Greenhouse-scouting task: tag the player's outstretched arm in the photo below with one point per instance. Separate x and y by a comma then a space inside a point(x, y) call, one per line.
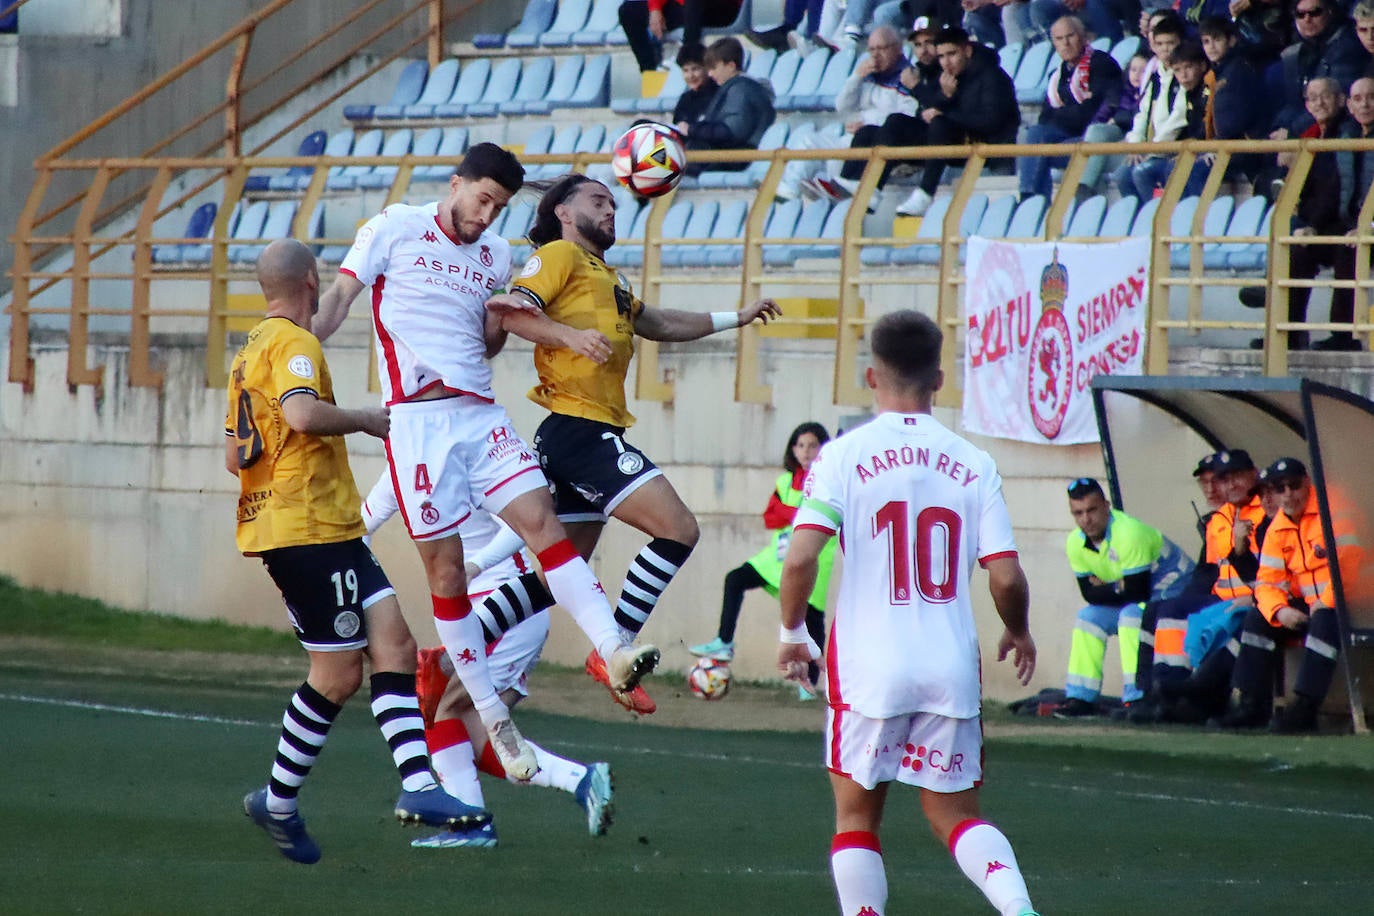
point(308, 414)
point(795, 648)
point(1011, 596)
point(536, 327)
point(678, 325)
point(334, 305)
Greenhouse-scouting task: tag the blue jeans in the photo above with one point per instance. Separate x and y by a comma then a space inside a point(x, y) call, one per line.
point(1034, 171)
point(1151, 174)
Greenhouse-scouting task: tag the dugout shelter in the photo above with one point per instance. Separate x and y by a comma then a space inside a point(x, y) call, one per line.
point(1154, 429)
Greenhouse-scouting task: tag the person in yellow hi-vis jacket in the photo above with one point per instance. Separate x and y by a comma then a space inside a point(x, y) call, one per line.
point(764, 569)
point(1120, 563)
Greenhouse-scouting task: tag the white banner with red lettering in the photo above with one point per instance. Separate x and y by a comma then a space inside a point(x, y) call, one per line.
point(1042, 319)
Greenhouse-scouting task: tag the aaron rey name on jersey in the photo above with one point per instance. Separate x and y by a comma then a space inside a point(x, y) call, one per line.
point(891, 458)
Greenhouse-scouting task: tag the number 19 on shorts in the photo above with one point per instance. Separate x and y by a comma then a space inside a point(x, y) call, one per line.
point(933, 554)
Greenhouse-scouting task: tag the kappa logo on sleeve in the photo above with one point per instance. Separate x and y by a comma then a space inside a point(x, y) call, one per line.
point(301, 367)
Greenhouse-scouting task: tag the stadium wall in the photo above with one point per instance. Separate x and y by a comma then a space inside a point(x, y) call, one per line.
point(123, 496)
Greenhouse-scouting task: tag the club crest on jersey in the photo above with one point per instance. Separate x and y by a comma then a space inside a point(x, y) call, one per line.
point(429, 236)
point(347, 624)
point(364, 237)
point(532, 267)
point(428, 514)
point(485, 256)
point(301, 367)
point(629, 464)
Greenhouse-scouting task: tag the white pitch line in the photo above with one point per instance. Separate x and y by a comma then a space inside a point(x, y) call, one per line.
point(134, 711)
point(719, 758)
point(1215, 802)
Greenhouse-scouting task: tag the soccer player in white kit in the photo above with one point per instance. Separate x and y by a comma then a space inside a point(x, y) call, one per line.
point(452, 447)
point(915, 505)
point(511, 602)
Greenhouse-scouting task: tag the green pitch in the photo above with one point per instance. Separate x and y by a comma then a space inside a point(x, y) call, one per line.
point(122, 796)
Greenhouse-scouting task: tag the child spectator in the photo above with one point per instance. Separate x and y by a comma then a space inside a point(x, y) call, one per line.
point(691, 105)
point(1163, 113)
point(737, 115)
point(1235, 103)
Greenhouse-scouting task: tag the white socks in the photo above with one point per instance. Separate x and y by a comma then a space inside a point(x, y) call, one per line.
point(856, 861)
point(985, 857)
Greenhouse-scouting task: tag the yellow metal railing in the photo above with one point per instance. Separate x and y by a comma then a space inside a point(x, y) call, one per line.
point(129, 292)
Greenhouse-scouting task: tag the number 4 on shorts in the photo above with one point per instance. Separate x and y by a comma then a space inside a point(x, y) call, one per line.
point(422, 484)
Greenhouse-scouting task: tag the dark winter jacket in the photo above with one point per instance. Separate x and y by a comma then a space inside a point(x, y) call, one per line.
point(984, 102)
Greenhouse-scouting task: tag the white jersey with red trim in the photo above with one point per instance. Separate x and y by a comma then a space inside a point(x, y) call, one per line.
point(915, 505)
point(429, 296)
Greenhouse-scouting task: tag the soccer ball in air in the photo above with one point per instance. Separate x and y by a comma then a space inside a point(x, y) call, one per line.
point(709, 679)
point(649, 159)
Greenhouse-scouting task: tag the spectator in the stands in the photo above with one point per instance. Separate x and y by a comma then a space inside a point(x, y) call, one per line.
point(1266, 28)
point(874, 91)
point(1235, 104)
point(1123, 115)
point(1319, 212)
point(646, 22)
point(1000, 22)
point(1363, 15)
point(691, 105)
point(783, 36)
point(1162, 114)
point(1102, 17)
point(1083, 92)
point(1326, 47)
point(976, 104)
point(739, 112)
point(862, 16)
point(1187, 111)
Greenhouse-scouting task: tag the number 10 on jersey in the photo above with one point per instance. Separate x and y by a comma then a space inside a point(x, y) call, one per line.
point(934, 554)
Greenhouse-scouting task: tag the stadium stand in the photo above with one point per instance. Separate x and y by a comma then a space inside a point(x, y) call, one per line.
point(570, 19)
point(409, 84)
point(536, 21)
point(699, 226)
point(809, 225)
point(729, 224)
point(927, 236)
point(505, 75)
point(1117, 221)
point(1246, 220)
point(601, 27)
point(472, 82)
point(805, 83)
point(594, 86)
point(298, 175)
point(561, 86)
point(1032, 75)
point(453, 141)
point(369, 143)
point(381, 176)
point(197, 227)
point(533, 87)
point(437, 90)
point(1087, 218)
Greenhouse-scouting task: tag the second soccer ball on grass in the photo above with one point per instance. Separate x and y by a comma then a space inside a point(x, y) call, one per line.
point(709, 679)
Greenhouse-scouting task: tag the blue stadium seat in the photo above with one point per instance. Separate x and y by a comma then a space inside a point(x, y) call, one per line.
point(472, 82)
point(743, 19)
point(927, 235)
point(760, 63)
point(1244, 221)
point(346, 178)
point(538, 142)
point(409, 85)
point(592, 139)
point(674, 226)
point(1028, 220)
point(729, 224)
point(805, 84)
point(593, 86)
point(699, 226)
point(516, 219)
point(1144, 224)
point(833, 229)
point(1252, 256)
point(1087, 219)
point(750, 177)
point(673, 86)
point(969, 221)
point(533, 87)
point(1181, 223)
point(536, 21)
point(780, 224)
point(382, 176)
point(1032, 76)
point(438, 88)
point(452, 143)
point(1214, 223)
point(1103, 44)
point(505, 76)
point(996, 217)
point(426, 144)
point(563, 143)
point(561, 87)
point(200, 254)
point(604, 19)
point(298, 176)
point(253, 225)
point(618, 255)
point(784, 72)
point(1120, 215)
point(810, 224)
point(1125, 49)
point(570, 19)
point(837, 70)
point(197, 227)
point(627, 208)
point(1009, 58)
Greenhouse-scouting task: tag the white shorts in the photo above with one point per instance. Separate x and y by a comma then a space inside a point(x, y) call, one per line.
point(921, 749)
point(451, 454)
point(512, 657)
